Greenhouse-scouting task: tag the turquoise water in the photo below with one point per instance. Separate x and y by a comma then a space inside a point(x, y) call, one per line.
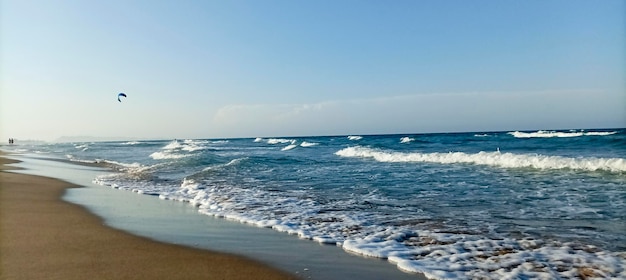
point(535, 204)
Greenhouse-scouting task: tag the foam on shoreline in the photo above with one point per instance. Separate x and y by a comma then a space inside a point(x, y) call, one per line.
point(78, 246)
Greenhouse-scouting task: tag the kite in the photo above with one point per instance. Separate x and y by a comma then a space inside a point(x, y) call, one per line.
point(120, 95)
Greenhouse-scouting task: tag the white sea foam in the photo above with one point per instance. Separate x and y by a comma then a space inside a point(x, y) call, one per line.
point(167, 155)
point(468, 257)
point(406, 140)
point(172, 145)
point(280, 141)
point(289, 147)
point(506, 160)
point(122, 164)
point(550, 134)
point(82, 147)
point(354, 138)
point(437, 255)
point(192, 148)
point(258, 139)
point(131, 143)
point(291, 142)
point(308, 144)
point(179, 149)
point(72, 158)
point(193, 145)
point(599, 133)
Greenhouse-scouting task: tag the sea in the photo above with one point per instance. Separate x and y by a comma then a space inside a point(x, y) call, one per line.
point(480, 205)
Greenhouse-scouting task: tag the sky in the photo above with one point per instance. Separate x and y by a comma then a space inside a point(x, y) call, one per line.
point(250, 68)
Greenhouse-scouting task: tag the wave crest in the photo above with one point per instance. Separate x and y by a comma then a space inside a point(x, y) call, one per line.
point(550, 134)
point(308, 144)
point(289, 147)
point(505, 160)
point(179, 149)
point(273, 141)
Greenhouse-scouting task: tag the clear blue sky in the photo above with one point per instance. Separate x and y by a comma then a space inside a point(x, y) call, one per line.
point(212, 69)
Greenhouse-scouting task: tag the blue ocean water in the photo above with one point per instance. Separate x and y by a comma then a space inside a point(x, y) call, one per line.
point(488, 205)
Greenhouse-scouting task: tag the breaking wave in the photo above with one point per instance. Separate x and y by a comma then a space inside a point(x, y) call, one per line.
point(308, 144)
point(550, 134)
point(279, 141)
point(289, 147)
point(179, 149)
point(498, 159)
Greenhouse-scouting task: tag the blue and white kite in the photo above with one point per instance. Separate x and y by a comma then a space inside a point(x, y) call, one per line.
point(120, 95)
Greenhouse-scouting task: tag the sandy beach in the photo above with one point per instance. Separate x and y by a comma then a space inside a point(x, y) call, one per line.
point(44, 237)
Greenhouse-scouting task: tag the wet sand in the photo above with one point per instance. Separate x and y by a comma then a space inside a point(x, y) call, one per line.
point(44, 237)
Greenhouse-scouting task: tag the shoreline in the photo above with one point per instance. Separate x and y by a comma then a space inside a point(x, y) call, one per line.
point(175, 223)
point(45, 237)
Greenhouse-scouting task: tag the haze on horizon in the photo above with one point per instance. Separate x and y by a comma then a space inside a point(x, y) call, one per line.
point(223, 69)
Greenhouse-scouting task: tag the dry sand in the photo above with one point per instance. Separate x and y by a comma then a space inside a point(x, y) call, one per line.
point(44, 237)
